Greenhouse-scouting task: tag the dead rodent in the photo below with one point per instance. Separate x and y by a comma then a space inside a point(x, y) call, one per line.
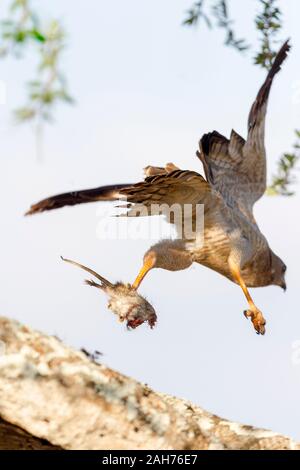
point(123, 300)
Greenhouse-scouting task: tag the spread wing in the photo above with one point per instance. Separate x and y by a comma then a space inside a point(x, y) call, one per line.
point(178, 186)
point(103, 193)
point(180, 196)
point(158, 193)
point(161, 189)
point(235, 167)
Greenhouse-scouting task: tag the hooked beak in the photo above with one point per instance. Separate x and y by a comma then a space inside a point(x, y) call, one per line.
point(283, 286)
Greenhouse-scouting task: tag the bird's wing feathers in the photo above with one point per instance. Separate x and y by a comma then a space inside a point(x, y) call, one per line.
point(222, 160)
point(164, 188)
point(175, 187)
point(257, 115)
point(235, 167)
point(103, 193)
point(254, 162)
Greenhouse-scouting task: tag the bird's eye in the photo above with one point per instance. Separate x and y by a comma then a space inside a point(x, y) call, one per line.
point(284, 269)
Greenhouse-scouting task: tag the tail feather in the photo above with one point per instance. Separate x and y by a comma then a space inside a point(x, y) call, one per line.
point(103, 193)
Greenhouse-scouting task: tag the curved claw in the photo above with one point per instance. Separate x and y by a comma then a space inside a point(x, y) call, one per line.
point(257, 319)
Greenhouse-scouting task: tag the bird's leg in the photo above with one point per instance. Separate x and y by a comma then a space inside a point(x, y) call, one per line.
point(254, 313)
point(148, 264)
point(166, 254)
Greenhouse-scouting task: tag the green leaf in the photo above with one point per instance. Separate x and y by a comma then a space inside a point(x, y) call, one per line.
point(25, 114)
point(37, 35)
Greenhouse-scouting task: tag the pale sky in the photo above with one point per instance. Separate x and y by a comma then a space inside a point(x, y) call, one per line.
point(146, 89)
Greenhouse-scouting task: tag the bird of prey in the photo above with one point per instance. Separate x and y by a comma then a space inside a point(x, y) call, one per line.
point(235, 178)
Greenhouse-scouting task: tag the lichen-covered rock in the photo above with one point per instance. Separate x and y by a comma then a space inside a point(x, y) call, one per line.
point(59, 395)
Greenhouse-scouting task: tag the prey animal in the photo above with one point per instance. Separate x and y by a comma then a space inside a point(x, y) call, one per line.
point(235, 178)
point(124, 300)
